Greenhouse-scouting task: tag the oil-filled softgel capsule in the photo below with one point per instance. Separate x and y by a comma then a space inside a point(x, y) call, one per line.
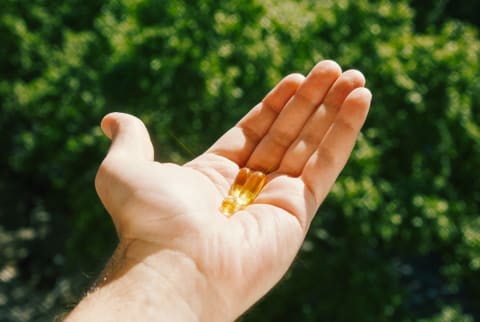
point(245, 188)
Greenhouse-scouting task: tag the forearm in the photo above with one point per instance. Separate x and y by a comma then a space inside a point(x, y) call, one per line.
point(130, 289)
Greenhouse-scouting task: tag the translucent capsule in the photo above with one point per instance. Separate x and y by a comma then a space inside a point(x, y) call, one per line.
point(244, 190)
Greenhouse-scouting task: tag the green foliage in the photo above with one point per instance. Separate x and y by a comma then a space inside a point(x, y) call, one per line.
point(398, 239)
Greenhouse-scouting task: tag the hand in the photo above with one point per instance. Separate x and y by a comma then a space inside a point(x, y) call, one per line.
point(302, 133)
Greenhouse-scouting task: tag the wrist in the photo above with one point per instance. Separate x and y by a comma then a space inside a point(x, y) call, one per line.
point(145, 283)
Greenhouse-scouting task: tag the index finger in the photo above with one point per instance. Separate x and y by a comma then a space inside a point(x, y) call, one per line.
point(238, 143)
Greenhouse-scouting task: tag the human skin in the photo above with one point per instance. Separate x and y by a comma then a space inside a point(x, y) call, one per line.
point(179, 258)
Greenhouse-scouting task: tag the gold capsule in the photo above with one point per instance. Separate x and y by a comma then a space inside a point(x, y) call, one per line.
point(240, 181)
point(245, 188)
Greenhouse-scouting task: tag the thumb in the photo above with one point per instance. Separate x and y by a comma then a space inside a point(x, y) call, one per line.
point(130, 138)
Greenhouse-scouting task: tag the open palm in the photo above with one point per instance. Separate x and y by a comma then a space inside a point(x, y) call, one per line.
point(302, 134)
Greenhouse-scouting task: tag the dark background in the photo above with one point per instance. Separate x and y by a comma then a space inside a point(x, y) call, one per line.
point(398, 239)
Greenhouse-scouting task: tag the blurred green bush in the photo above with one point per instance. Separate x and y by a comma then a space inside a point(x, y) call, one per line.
point(398, 239)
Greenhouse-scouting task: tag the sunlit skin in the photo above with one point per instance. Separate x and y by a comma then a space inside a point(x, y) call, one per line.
point(179, 258)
